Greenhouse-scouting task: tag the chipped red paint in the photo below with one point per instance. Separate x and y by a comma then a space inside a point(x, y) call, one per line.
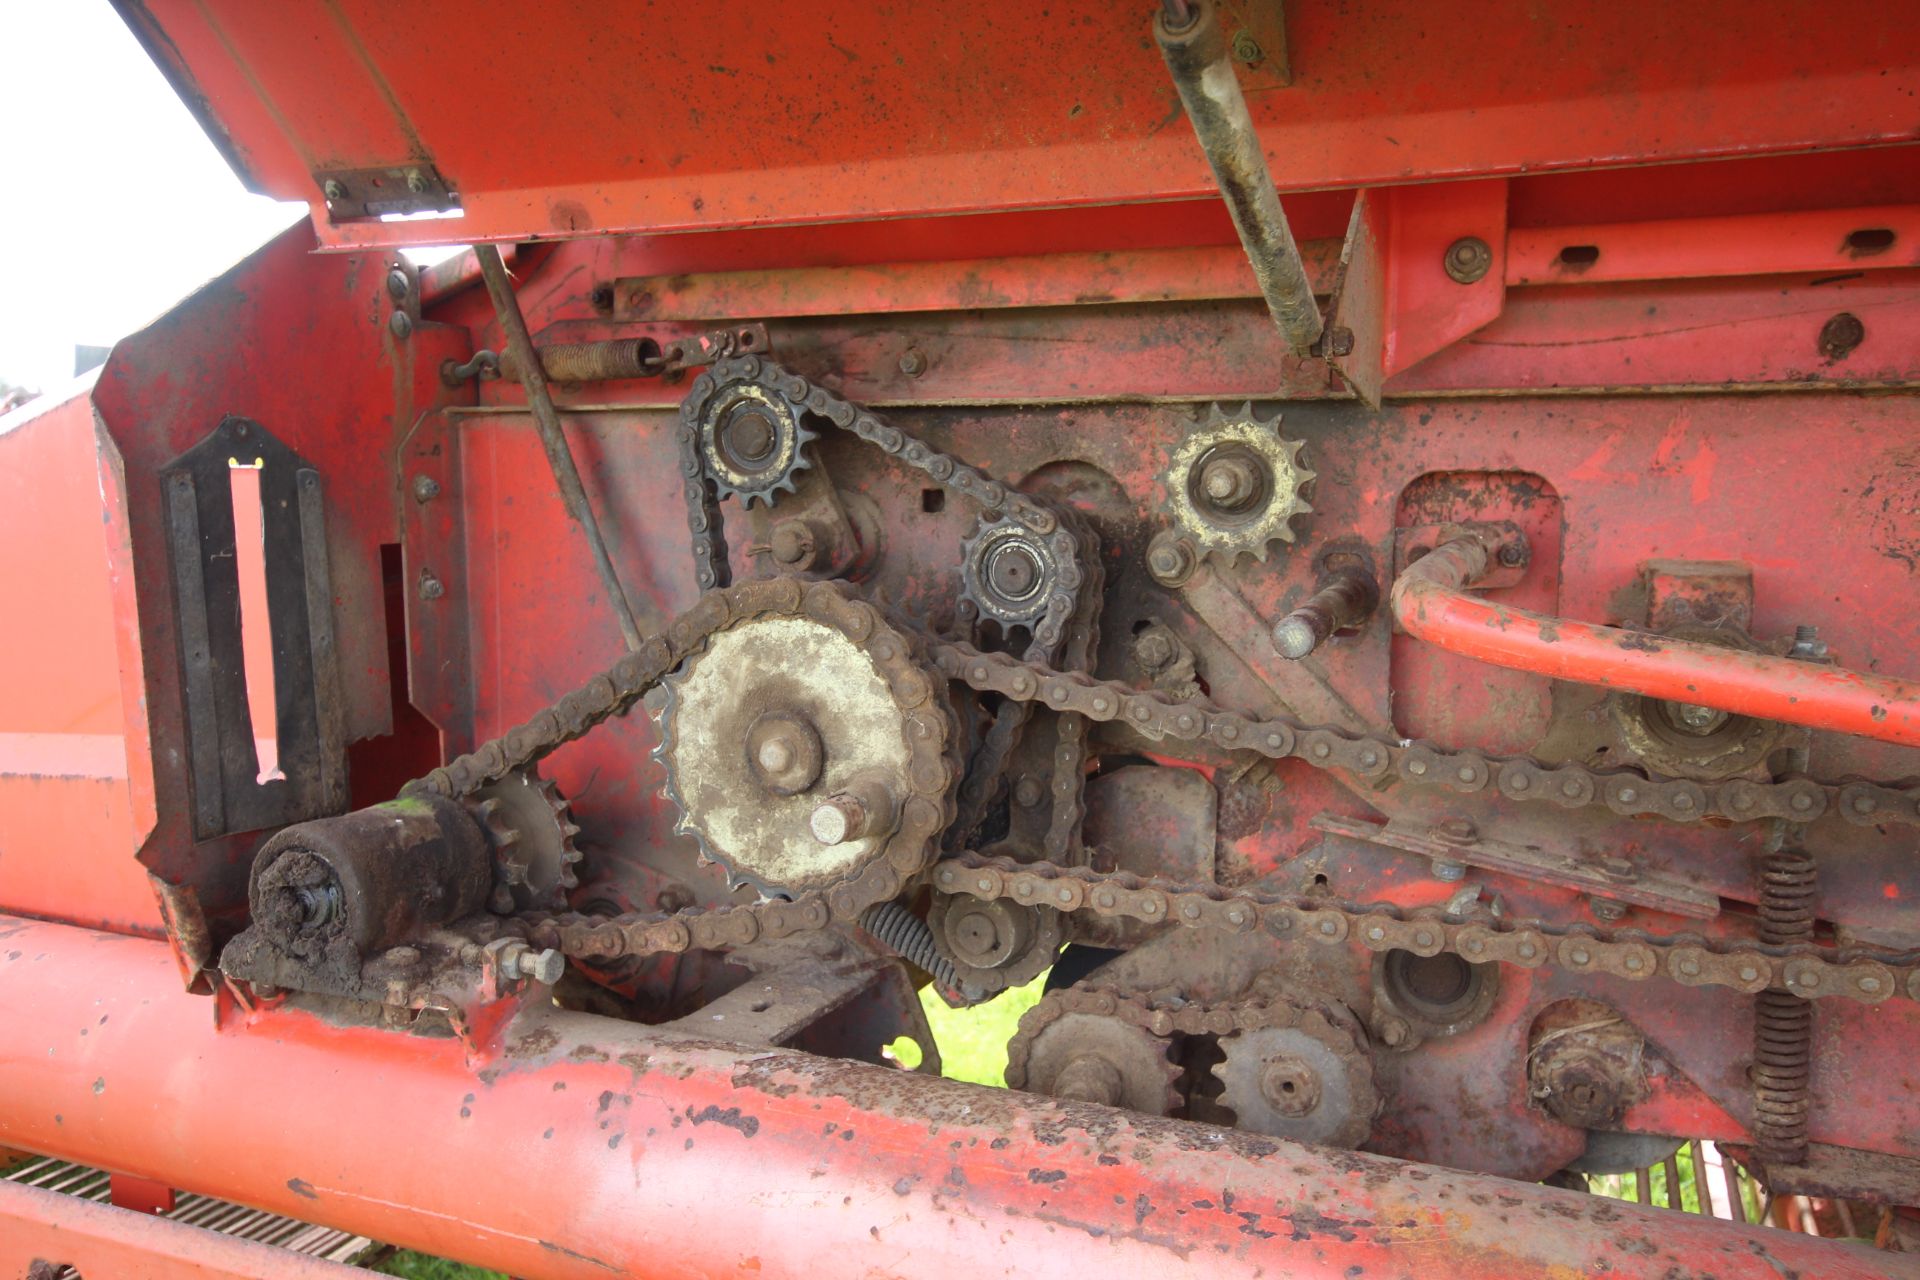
point(578, 1146)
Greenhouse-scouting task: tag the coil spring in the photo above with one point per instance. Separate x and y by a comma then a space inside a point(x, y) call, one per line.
point(1783, 1022)
point(909, 937)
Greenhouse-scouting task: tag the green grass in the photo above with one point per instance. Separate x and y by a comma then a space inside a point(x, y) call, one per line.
point(973, 1042)
point(418, 1266)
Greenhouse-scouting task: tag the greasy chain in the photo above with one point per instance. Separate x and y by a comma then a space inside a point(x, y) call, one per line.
point(1806, 970)
point(1188, 1017)
point(1066, 622)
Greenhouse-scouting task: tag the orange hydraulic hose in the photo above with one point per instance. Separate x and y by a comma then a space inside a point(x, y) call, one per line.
point(1431, 602)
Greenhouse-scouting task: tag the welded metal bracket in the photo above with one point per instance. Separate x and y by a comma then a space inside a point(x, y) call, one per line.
point(228, 795)
point(352, 194)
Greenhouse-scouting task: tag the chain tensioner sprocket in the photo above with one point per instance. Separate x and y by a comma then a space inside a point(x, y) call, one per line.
point(1234, 486)
point(752, 439)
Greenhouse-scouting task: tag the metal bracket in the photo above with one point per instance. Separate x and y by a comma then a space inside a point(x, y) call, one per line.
point(353, 194)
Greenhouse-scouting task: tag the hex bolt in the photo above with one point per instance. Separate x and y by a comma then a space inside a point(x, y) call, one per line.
point(1170, 560)
point(1230, 483)
point(417, 182)
point(1606, 909)
point(425, 488)
point(333, 189)
point(913, 362)
point(1807, 645)
point(1247, 49)
point(518, 960)
point(1153, 650)
point(1448, 872)
point(1695, 719)
point(431, 588)
point(1345, 599)
point(1468, 259)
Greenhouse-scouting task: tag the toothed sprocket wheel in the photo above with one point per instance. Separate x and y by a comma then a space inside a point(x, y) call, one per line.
point(1089, 1057)
point(1308, 1078)
point(752, 440)
point(1234, 486)
point(530, 831)
point(809, 751)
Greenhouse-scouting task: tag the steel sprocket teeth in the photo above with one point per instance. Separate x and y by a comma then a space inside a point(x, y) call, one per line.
point(1309, 1081)
point(752, 441)
point(531, 831)
point(1234, 486)
point(1088, 1057)
point(1012, 575)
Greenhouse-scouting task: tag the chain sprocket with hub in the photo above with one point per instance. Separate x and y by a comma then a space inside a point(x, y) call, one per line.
point(1234, 486)
point(792, 743)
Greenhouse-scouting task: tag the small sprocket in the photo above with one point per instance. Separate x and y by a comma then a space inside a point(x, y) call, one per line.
point(753, 441)
point(531, 833)
point(1234, 486)
point(1092, 1058)
point(1308, 1079)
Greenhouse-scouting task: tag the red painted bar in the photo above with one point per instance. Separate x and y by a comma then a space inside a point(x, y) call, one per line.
point(1431, 602)
point(580, 1146)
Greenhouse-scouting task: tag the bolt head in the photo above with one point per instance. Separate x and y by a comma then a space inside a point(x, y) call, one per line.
point(1697, 719)
point(399, 284)
point(431, 588)
point(400, 324)
point(1468, 259)
point(1153, 650)
point(913, 362)
point(425, 488)
point(1247, 49)
point(417, 182)
point(333, 189)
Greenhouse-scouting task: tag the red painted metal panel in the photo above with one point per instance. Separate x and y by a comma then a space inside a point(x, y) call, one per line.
point(66, 813)
point(757, 116)
point(579, 1146)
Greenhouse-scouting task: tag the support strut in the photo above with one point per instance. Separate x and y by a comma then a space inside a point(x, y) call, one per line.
point(1431, 602)
point(1202, 68)
point(533, 376)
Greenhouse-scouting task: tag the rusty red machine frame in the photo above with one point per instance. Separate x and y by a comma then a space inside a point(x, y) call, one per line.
point(1621, 334)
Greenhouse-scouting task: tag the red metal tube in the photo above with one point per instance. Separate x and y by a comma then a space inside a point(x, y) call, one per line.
point(1431, 602)
point(578, 1146)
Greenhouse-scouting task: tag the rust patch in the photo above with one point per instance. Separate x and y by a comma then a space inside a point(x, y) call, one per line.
point(729, 1116)
point(302, 1188)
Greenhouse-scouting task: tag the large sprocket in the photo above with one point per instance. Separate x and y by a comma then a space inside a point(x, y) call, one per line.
point(1234, 486)
point(1089, 1057)
point(804, 749)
